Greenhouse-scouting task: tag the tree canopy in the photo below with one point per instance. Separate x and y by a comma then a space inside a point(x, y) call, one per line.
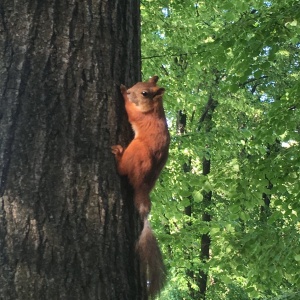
point(231, 68)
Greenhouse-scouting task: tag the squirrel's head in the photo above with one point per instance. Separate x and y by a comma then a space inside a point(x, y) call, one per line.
point(145, 95)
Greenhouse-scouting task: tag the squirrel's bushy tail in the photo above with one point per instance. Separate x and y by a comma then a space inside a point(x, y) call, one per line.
point(151, 259)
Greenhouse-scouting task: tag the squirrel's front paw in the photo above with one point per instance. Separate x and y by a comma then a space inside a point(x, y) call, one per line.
point(117, 150)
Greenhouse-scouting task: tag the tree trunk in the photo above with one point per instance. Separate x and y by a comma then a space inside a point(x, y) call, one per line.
point(206, 121)
point(67, 224)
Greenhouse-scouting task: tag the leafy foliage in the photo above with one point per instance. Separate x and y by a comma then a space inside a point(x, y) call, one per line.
point(246, 56)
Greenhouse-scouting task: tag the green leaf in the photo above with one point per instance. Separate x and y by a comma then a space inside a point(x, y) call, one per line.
point(197, 195)
point(297, 257)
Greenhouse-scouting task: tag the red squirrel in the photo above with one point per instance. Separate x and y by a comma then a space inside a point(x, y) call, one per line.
point(142, 162)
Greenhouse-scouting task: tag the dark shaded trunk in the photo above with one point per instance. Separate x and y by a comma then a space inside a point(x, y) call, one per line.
point(205, 238)
point(206, 122)
point(181, 128)
point(67, 225)
point(265, 209)
point(265, 212)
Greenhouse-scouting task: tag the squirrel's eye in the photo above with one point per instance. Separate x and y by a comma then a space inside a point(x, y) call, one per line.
point(144, 93)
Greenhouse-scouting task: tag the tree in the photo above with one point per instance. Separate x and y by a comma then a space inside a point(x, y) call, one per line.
point(67, 224)
point(252, 145)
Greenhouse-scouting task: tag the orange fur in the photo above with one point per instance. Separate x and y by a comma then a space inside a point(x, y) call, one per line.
point(142, 161)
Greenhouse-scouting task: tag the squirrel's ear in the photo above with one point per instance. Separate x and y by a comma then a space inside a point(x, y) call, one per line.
point(153, 79)
point(160, 92)
point(123, 88)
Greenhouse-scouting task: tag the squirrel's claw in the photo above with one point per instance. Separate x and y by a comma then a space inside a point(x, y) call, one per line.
point(117, 149)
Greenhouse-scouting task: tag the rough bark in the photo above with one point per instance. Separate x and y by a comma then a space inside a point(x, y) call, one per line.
point(67, 223)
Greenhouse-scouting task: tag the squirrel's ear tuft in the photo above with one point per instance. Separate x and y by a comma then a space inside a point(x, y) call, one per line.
point(153, 79)
point(160, 92)
point(123, 88)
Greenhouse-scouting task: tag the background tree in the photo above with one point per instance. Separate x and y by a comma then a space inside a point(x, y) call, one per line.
point(248, 54)
point(67, 225)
